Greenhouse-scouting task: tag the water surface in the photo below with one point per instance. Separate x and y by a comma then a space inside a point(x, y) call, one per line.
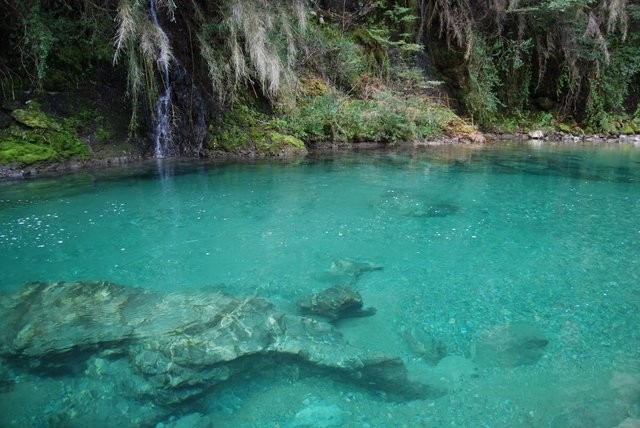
point(475, 244)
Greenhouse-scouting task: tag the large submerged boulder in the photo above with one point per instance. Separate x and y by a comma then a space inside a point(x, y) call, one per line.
point(48, 319)
point(183, 343)
point(336, 303)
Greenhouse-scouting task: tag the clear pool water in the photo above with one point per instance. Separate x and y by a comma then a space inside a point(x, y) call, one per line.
point(475, 243)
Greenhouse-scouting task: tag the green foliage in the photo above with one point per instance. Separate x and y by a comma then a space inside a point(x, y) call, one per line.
point(499, 79)
point(345, 58)
point(252, 41)
point(522, 122)
point(333, 55)
point(396, 27)
point(387, 118)
point(480, 93)
point(239, 43)
point(244, 128)
point(376, 43)
point(578, 52)
point(104, 134)
point(60, 41)
point(513, 62)
point(390, 27)
point(610, 89)
point(581, 56)
point(39, 39)
point(145, 48)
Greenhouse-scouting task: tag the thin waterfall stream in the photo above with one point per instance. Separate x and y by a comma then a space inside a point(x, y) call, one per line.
point(162, 133)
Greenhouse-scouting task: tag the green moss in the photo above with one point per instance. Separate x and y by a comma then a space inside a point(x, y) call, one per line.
point(564, 127)
point(12, 151)
point(275, 143)
point(28, 146)
point(246, 128)
point(262, 140)
point(313, 87)
point(34, 118)
point(67, 144)
point(104, 135)
point(627, 128)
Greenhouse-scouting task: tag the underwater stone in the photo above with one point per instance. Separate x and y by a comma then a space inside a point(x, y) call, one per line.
point(629, 423)
point(513, 345)
point(347, 271)
point(597, 413)
point(182, 344)
point(336, 303)
point(45, 319)
point(424, 344)
point(353, 267)
point(192, 420)
point(319, 415)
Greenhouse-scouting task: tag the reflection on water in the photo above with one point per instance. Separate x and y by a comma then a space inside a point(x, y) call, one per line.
point(505, 279)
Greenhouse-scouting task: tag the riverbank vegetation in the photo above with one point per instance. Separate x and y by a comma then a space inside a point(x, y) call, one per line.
point(271, 77)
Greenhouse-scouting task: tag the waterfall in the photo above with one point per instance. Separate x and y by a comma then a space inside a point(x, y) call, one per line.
point(162, 132)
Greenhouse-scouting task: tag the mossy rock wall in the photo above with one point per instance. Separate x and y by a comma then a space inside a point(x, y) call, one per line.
point(36, 137)
point(258, 141)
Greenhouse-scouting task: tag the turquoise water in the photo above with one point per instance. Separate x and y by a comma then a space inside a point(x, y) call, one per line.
point(472, 243)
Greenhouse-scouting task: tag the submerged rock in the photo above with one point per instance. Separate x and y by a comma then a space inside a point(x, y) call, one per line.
point(598, 413)
point(353, 267)
point(515, 344)
point(192, 420)
point(629, 423)
point(182, 344)
point(336, 303)
point(319, 415)
point(48, 319)
point(410, 205)
point(424, 344)
point(347, 271)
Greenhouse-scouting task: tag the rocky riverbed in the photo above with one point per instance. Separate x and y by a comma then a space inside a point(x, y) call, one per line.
point(169, 349)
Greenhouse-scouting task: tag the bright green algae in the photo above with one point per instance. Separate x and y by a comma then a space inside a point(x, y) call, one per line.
point(474, 244)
